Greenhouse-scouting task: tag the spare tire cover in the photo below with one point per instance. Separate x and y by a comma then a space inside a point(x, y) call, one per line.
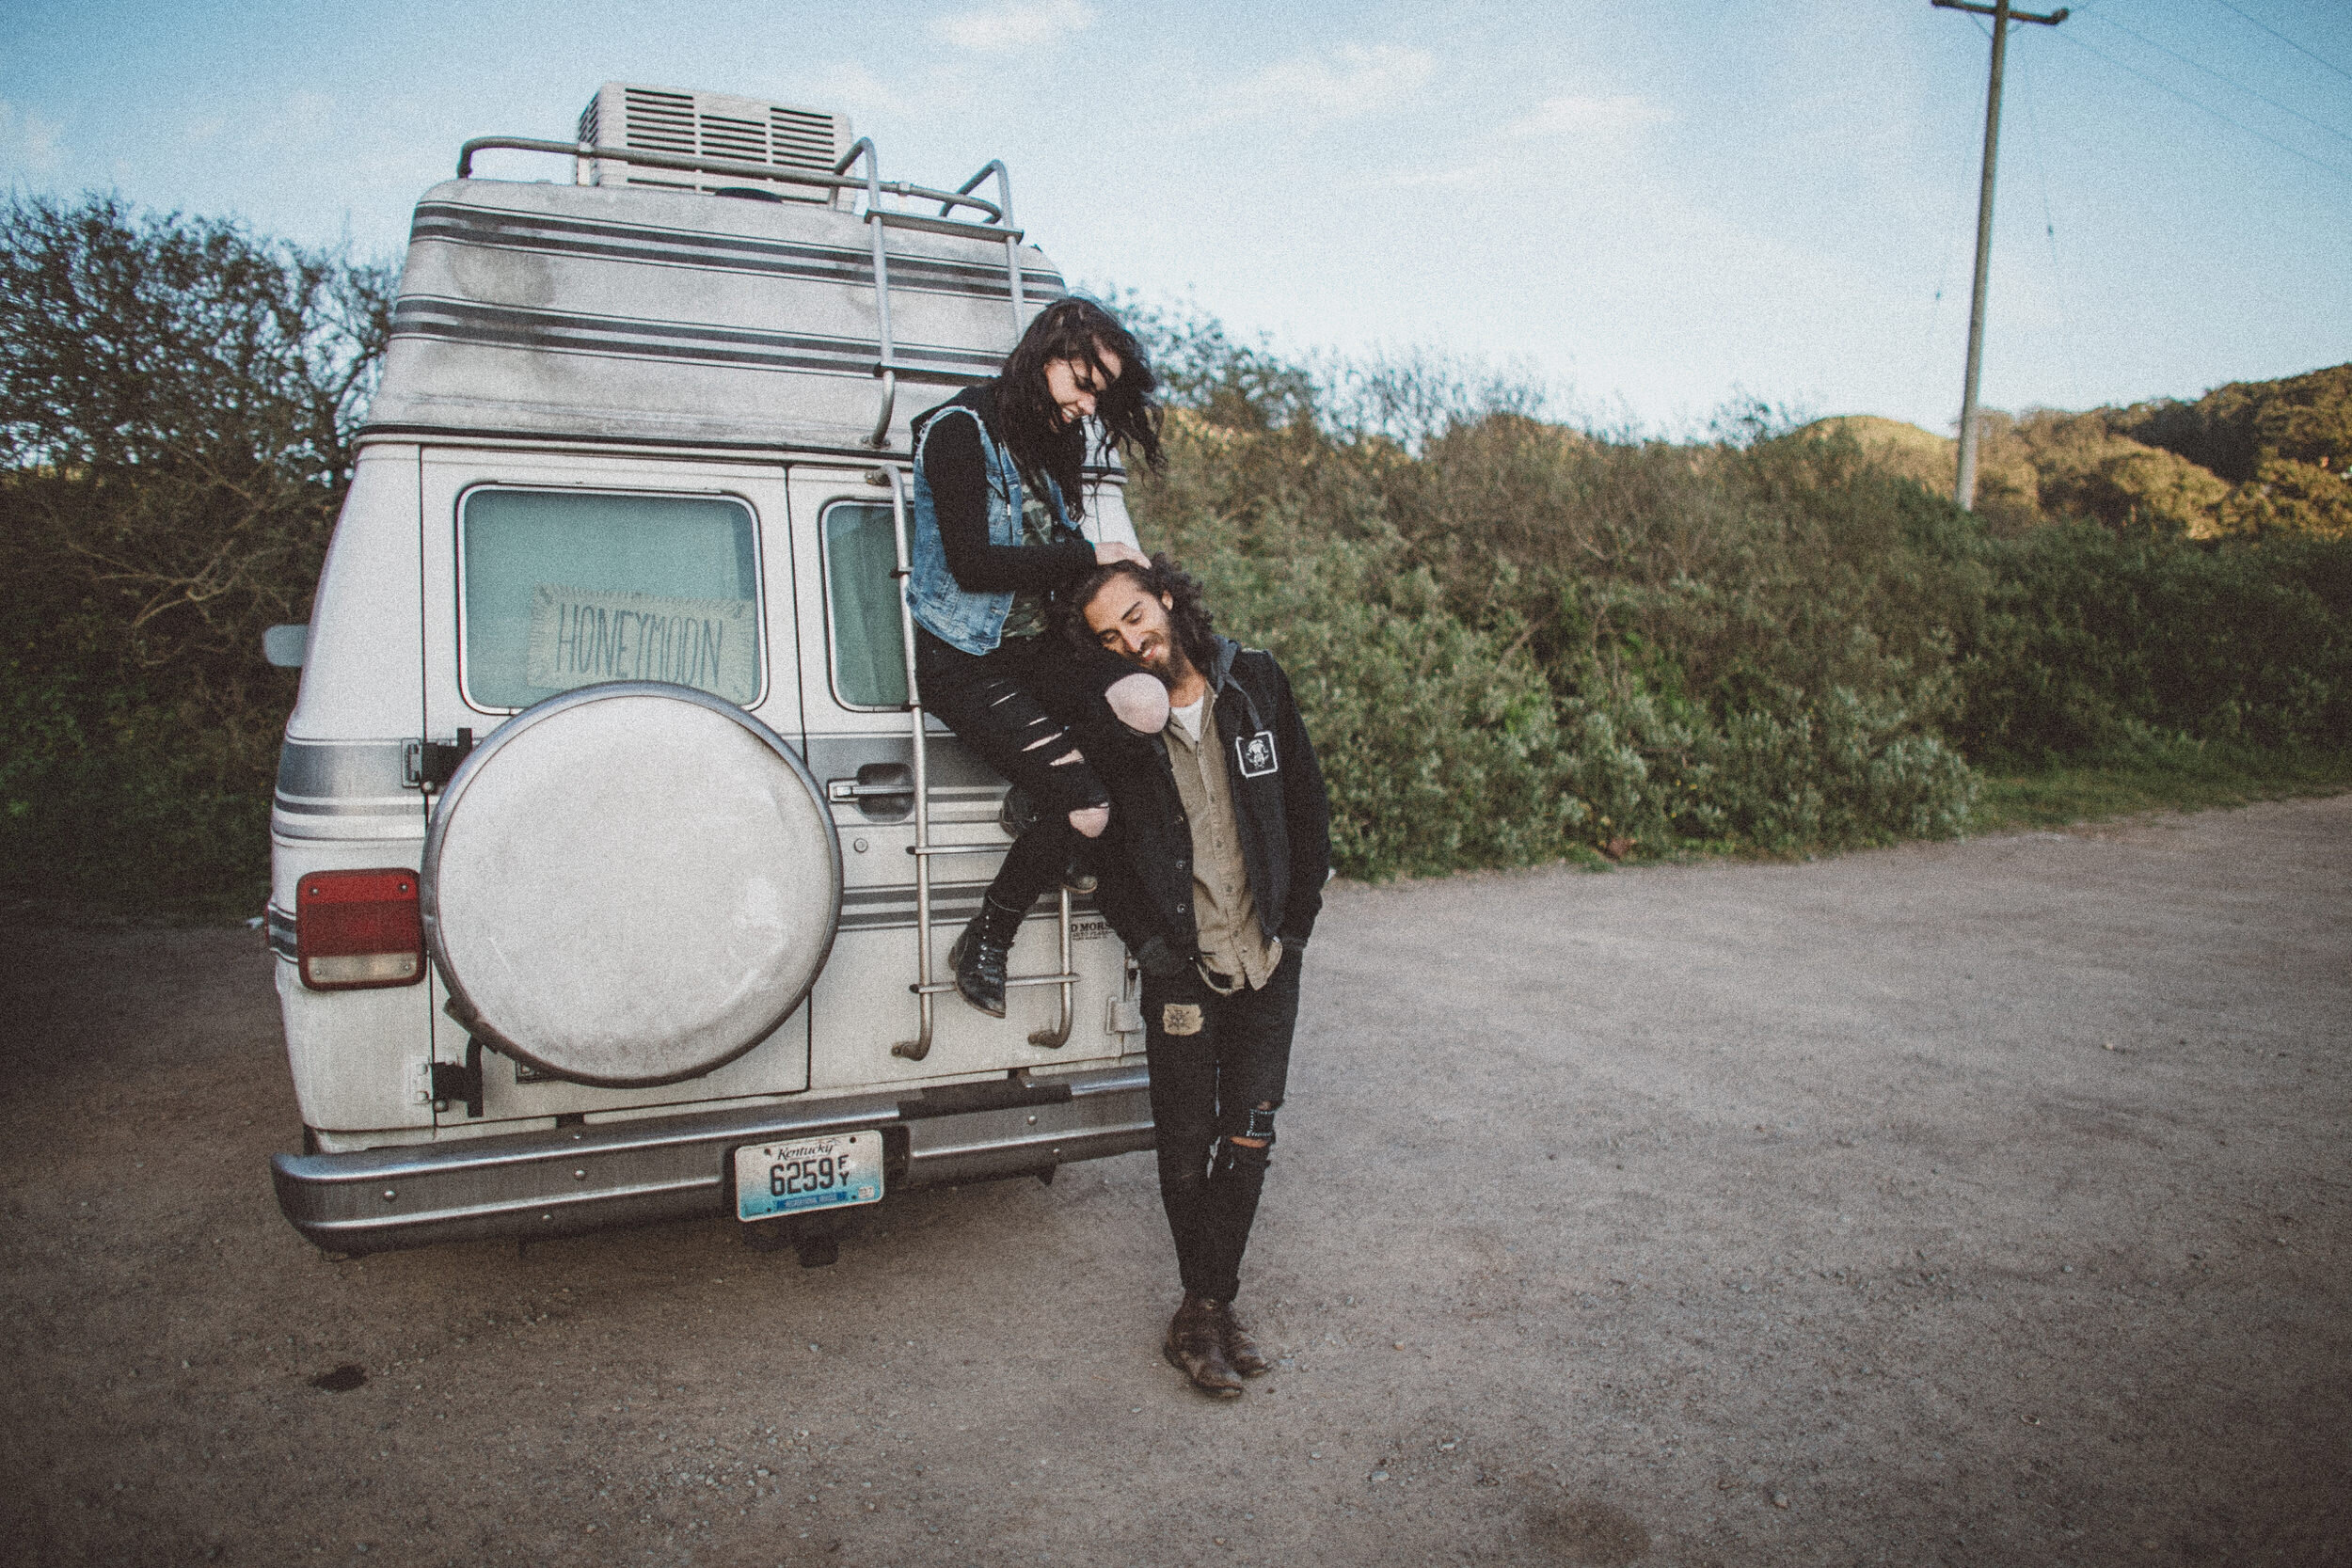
point(629, 883)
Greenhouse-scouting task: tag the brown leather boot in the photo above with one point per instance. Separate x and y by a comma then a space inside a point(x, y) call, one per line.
point(1196, 1347)
point(1241, 1350)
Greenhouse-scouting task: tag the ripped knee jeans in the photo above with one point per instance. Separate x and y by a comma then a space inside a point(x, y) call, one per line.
point(1017, 707)
point(1218, 1068)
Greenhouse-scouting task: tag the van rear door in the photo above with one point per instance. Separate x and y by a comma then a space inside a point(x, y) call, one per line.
point(545, 572)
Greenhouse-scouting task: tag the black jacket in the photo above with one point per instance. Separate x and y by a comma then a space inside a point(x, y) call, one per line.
point(1279, 801)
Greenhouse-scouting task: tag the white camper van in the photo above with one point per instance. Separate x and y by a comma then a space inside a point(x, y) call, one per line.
point(616, 862)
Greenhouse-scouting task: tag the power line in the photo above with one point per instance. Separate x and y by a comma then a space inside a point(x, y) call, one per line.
point(1927, 340)
point(2199, 104)
point(2225, 81)
point(2283, 39)
point(2027, 83)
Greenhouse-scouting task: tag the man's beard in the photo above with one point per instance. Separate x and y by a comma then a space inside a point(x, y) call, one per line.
point(1171, 671)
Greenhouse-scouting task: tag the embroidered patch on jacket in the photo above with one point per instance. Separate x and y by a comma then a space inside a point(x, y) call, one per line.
point(1181, 1018)
point(1255, 754)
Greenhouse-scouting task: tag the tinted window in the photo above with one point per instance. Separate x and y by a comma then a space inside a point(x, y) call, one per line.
point(567, 589)
point(868, 645)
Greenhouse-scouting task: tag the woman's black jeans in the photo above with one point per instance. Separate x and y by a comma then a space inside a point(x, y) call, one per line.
point(1020, 706)
point(1218, 1068)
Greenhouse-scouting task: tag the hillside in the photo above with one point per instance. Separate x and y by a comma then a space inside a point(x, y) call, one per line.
point(2250, 458)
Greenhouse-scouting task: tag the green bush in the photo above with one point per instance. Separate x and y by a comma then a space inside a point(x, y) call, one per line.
point(1524, 636)
point(2093, 638)
point(1437, 740)
point(177, 399)
point(1774, 638)
point(113, 798)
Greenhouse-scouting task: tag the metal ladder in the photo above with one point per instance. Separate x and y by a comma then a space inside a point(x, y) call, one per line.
point(923, 850)
point(899, 477)
point(880, 218)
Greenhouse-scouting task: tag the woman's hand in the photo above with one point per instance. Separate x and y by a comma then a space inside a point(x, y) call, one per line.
point(1110, 552)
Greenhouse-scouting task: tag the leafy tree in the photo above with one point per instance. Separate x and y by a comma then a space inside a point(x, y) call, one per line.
point(1515, 635)
point(178, 404)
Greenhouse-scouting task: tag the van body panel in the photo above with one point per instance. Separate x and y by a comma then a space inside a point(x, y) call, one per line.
point(358, 1056)
point(878, 961)
point(366, 625)
point(778, 1065)
point(350, 1070)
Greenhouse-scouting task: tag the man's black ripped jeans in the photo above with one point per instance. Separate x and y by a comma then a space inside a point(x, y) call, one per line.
point(1020, 706)
point(1218, 1068)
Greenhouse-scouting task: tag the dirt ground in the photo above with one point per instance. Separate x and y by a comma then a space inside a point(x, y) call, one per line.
point(1970, 1203)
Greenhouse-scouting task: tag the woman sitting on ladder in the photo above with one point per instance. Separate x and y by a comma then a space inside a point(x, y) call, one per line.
point(997, 493)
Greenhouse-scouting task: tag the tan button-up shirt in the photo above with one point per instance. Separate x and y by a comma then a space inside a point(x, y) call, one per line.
point(1231, 943)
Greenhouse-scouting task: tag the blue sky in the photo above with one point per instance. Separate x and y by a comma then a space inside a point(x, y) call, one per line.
point(1651, 208)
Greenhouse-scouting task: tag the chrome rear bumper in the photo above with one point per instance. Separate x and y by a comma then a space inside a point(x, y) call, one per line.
point(592, 1177)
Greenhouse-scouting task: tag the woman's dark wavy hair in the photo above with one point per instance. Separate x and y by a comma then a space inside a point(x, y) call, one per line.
point(1075, 328)
point(1187, 616)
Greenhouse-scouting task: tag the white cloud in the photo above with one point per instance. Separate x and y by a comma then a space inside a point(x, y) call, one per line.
point(1578, 115)
point(27, 140)
point(1358, 79)
point(1013, 24)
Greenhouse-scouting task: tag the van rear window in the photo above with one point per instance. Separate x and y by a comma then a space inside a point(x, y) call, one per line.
point(566, 589)
point(869, 667)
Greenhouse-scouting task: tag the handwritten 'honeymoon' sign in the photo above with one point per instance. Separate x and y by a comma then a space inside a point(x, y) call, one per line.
point(583, 635)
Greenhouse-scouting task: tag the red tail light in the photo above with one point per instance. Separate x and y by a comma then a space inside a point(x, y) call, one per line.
point(355, 929)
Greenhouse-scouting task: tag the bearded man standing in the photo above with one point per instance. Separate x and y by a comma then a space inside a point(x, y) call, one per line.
point(1214, 870)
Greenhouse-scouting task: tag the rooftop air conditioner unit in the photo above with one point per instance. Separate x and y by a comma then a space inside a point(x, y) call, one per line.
point(710, 125)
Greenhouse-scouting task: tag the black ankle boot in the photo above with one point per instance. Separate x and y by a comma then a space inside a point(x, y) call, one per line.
point(979, 955)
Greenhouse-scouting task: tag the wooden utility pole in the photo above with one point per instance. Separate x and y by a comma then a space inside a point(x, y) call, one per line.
point(1965, 491)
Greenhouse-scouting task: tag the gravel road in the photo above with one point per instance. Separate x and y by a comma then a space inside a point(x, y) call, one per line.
point(1966, 1203)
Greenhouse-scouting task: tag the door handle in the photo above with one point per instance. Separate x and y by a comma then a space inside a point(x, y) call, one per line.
point(883, 791)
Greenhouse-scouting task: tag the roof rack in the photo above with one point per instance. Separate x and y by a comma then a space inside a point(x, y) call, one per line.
point(997, 224)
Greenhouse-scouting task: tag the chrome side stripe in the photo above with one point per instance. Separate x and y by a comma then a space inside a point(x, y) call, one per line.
point(281, 933)
point(880, 909)
point(620, 242)
point(343, 778)
point(558, 331)
point(320, 769)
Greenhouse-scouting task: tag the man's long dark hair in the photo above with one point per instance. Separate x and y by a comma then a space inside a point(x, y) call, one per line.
point(1075, 328)
point(1188, 616)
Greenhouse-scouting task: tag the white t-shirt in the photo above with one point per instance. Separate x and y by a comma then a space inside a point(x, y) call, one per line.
point(1190, 718)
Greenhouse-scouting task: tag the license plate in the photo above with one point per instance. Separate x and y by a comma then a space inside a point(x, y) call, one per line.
point(832, 1171)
